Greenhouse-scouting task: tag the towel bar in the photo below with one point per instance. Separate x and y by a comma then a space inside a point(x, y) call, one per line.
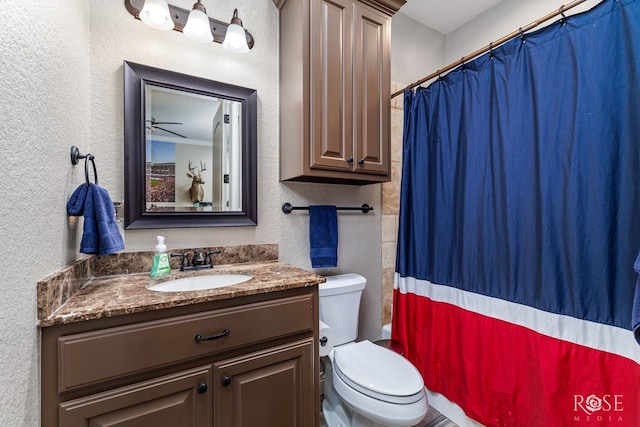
point(287, 208)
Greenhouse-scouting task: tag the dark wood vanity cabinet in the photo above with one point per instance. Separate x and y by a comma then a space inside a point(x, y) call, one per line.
point(180, 399)
point(335, 89)
point(267, 388)
point(254, 364)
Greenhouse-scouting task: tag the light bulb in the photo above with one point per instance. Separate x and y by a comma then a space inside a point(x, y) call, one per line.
point(198, 27)
point(235, 39)
point(155, 14)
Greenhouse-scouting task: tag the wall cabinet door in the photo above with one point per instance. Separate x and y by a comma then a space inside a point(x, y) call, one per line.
point(331, 137)
point(372, 90)
point(270, 388)
point(179, 400)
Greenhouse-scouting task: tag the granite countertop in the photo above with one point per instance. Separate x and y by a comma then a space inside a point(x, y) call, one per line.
point(108, 296)
point(115, 285)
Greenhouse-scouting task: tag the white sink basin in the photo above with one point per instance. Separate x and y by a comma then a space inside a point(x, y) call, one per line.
point(199, 283)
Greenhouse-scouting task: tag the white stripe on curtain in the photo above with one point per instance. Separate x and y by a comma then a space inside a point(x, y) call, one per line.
point(599, 336)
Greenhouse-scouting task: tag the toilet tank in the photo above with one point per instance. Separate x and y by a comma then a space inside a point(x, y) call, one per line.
point(340, 305)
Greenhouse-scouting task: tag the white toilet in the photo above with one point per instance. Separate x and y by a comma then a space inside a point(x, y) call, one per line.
point(366, 385)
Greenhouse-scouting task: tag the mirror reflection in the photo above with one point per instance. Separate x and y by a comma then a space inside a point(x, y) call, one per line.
point(193, 151)
point(190, 154)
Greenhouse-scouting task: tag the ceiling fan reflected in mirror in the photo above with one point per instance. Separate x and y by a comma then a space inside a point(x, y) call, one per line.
point(153, 125)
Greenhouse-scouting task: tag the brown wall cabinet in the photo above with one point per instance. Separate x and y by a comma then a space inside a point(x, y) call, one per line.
point(335, 90)
point(259, 366)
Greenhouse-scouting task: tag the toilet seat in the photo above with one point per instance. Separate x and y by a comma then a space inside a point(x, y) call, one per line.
point(378, 373)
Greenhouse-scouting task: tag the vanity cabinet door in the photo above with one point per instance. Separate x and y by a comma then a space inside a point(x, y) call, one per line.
point(179, 400)
point(271, 388)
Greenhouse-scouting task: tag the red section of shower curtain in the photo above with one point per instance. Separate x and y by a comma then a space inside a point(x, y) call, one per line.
point(502, 374)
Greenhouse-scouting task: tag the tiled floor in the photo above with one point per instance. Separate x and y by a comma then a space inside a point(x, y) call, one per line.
point(436, 419)
point(433, 419)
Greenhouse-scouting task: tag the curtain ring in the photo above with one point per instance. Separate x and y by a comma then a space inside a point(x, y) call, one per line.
point(521, 34)
point(439, 76)
point(563, 19)
point(491, 50)
point(89, 157)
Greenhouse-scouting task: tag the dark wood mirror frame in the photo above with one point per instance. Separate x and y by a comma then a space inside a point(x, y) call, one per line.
point(136, 216)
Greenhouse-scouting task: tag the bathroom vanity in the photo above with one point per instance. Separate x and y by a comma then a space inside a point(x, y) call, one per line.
point(118, 354)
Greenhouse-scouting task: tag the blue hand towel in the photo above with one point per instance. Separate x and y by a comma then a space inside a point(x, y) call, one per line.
point(75, 205)
point(635, 312)
point(323, 236)
point(100, 233)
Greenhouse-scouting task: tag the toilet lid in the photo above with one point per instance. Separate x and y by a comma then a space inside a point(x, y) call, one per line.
point(378, 372)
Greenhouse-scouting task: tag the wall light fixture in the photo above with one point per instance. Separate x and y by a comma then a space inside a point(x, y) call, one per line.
point(235, 40)
point(195, 24)
point(198, 28)
point(155, 14)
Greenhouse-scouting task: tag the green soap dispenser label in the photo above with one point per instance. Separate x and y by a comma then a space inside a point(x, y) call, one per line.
point(160, 266)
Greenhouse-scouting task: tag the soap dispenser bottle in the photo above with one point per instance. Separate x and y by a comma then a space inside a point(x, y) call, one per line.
point(160, 266)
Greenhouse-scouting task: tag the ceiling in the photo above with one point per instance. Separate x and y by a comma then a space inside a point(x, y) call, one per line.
point(445, 15)
point(188, 114)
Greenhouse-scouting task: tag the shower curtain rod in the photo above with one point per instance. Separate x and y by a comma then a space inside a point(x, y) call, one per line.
point(492, 45)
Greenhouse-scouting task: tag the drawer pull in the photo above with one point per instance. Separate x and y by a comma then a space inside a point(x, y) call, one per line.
point(213, 337)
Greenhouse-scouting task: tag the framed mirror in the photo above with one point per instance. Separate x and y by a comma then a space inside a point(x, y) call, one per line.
point(189, 151)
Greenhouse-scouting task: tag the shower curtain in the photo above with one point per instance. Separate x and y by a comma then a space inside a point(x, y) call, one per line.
point(519, 225)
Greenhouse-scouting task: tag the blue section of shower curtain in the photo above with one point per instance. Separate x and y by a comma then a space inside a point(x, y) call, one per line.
point(521, 170)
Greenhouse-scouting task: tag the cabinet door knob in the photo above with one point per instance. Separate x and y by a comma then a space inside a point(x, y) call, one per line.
point(361, 162)
point(202, 388)
point(350, 160)
point(226, 380)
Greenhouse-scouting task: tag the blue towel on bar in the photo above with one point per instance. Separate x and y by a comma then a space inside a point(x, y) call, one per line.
point(100, 233)
point(635, 313)
point(323, 236)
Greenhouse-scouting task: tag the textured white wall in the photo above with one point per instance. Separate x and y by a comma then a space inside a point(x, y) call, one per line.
point(506, 17)
point(416, 50)
point(44, 109)
point(61, 66)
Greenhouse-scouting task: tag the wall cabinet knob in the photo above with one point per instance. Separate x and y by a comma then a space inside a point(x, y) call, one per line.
point(226, 380)
point(350, 160)
point(361, 162)
point(202, 388)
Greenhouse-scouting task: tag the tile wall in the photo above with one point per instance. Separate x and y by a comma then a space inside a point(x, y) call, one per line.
point(391, 204)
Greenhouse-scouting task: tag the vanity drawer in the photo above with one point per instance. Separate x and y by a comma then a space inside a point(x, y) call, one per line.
point(91, 357)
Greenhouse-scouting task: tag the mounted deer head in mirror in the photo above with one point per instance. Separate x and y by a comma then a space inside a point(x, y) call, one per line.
point(196, 192)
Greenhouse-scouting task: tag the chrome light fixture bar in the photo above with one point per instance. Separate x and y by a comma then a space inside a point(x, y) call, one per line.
point(181, 16)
